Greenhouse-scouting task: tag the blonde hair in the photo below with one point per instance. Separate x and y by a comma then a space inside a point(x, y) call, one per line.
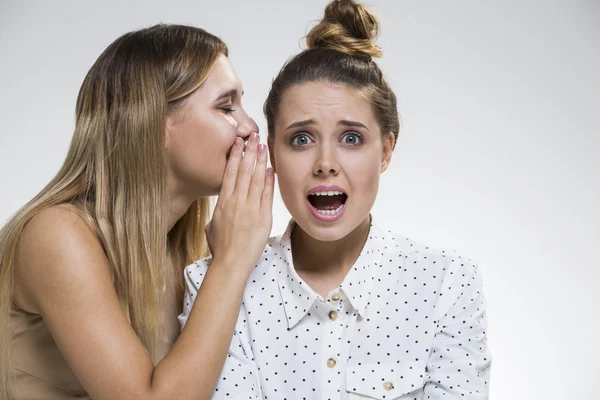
point(115, 174)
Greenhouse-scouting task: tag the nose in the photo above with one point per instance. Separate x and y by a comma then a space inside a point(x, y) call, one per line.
point(326, 163)
point(246, 125)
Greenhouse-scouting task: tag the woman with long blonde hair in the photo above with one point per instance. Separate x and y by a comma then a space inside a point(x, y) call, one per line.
point(91, 269)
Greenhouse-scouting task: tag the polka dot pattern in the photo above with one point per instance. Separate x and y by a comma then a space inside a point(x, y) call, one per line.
point(407, 322)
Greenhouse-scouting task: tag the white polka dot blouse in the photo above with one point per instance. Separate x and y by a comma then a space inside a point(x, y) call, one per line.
point(407, 322)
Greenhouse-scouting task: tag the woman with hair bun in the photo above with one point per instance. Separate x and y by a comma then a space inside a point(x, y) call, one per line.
point(339, 308)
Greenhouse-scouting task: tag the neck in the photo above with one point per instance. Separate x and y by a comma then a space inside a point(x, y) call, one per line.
point(179, 203)
point(177, 209)
point(332, 258)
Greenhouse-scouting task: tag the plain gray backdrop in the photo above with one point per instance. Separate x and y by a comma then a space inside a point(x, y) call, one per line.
point(498, 154)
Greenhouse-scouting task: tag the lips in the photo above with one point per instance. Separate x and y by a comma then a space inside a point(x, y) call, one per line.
point(327, 203)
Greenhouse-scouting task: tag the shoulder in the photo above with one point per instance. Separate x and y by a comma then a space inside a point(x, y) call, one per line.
point(443, 263)
point(57, 247)
point(196, 272)
point(440, 275)
point(60, 225)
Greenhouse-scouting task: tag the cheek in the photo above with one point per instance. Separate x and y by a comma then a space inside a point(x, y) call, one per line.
point(288, 177)
point(218, 132)
point(197, 149)
point(209, 141)
point(292, 170)
point(363, 173)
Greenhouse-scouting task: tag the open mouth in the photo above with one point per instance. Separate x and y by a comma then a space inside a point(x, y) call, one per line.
point(328, 203)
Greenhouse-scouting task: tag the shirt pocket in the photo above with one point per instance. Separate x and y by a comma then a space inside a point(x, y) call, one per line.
point(385, 381)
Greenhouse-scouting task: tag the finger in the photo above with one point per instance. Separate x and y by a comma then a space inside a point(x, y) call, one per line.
point(258, 178)
point(267, 194)
point(231, 170)
point(246, 168)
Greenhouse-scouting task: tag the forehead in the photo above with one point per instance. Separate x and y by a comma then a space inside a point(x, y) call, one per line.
point(222, 77)
point(325, 101)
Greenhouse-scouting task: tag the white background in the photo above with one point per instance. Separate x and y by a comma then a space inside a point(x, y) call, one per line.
point(498, 155)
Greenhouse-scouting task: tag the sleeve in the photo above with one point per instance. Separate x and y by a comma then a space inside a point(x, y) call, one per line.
point(239, 376)
point(193, 275)
point(459, 363)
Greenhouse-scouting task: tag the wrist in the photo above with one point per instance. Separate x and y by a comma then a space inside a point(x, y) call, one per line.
point(234, 266)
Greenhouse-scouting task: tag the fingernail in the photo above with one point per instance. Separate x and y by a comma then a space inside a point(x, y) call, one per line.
point(254, 137)
point(261, 149)
point(270, 172)
point(238, 142)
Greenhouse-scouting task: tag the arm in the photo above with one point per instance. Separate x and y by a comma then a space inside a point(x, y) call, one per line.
point(201, 349)
point(64, 275)
point(459, 364)
point(239, 377)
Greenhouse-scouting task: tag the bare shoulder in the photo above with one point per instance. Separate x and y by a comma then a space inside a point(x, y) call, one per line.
point(64, 276)
point(57, 224)
point(57, 249)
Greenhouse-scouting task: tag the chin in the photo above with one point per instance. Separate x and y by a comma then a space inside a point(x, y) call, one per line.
point(330, 234)
point(326, 231)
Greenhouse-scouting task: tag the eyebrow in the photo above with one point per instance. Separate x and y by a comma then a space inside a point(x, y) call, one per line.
point(355, 124)
point(343, 122)
point(301, 124)
point(231, 93)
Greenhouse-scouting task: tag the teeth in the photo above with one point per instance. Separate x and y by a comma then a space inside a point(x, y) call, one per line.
point(329, 193)
point(331, 212)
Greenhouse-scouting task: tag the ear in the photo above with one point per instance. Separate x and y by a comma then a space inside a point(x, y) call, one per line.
point(169, 124)
point(271, 144)
point(389, 141)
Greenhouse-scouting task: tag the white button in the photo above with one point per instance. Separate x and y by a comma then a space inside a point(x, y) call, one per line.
point(333, 315)
point(388, 385)
point(335, 297)
point(331, 363)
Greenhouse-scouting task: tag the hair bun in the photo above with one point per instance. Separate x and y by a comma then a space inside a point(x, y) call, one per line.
point(348, 27)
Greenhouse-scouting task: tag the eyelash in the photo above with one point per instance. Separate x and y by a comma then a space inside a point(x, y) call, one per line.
point(358, 136)
point(227, 110)
point(294, 137)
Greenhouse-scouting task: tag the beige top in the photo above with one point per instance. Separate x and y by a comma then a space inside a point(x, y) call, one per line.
point(41, 372)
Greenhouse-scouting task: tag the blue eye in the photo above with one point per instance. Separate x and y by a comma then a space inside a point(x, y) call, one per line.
point(352, 138)
point(301, 139)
